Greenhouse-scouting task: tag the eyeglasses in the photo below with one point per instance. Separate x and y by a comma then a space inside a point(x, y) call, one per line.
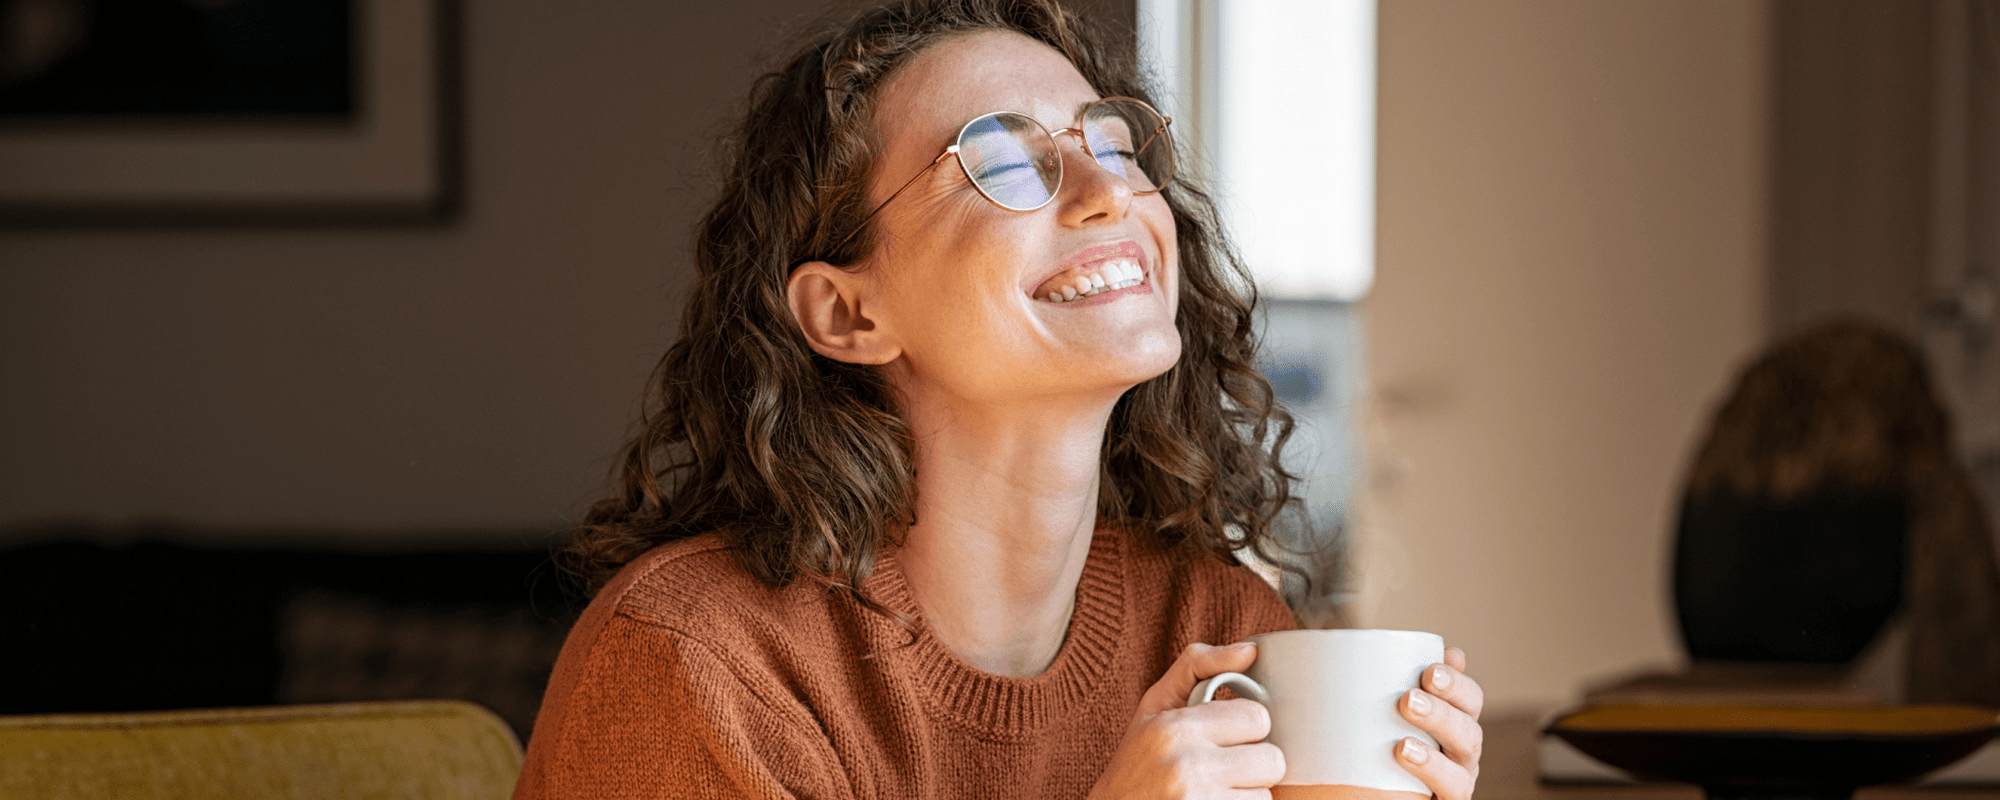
point(1014, 162)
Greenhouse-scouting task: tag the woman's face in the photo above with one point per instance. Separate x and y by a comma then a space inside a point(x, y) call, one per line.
point(962, 285)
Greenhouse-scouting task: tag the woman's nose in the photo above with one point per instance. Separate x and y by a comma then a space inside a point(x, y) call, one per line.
point(1091, 193)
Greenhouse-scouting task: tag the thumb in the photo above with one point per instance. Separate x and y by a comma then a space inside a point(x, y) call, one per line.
point(1196, 663)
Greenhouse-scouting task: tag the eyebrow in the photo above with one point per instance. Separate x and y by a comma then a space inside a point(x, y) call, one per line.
point(1076, 114)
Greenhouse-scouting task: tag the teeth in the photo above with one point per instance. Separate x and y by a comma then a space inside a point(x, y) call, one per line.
point(1111, 276)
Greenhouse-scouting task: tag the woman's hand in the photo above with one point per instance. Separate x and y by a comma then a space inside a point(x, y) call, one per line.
point(1210, 750)
point(1445, 705)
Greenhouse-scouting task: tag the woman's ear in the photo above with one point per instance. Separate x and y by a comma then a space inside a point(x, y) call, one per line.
point(827, 301)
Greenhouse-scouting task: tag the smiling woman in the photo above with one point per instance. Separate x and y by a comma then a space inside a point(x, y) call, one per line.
point(943, 496)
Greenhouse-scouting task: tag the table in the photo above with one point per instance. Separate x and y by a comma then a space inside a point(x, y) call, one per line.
point(1507, 772)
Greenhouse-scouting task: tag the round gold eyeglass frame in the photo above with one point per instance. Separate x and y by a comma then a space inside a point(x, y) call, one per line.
point(1054, 147)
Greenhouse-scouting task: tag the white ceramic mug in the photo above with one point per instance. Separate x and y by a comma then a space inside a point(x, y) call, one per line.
point(1333, 702)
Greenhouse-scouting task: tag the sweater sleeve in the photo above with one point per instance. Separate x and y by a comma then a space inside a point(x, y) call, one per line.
point(1267, 612)
point(1220, 604)
point(1263, 610)
point(656, 714)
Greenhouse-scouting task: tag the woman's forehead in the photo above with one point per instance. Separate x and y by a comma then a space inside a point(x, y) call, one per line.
point(978, 73)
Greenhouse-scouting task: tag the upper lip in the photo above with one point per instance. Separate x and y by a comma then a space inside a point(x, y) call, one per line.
point(1094, 253)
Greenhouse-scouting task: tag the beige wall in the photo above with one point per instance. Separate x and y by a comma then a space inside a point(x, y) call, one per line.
point(474, 377)
point(1570, 267)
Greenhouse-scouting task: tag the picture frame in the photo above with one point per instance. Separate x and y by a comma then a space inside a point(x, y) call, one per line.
point(392, 160)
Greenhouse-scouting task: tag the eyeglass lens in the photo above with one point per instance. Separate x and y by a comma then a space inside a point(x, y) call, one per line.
point(1012, 159)
point(1130, 140)
point(1015, 162)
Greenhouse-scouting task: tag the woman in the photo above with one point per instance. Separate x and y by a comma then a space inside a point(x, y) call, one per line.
point(940, 490)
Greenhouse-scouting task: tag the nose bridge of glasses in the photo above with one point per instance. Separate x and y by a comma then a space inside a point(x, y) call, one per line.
point(1082, 145)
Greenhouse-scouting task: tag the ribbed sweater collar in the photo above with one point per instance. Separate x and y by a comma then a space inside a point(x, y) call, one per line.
point(1006, 708)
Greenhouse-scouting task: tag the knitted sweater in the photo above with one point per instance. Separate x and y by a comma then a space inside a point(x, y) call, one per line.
point(687, 678)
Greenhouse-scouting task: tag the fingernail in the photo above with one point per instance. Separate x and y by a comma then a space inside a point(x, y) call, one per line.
point(1240, 646)
point(1415, 753)
point(1419, 703)
point(1440, 677)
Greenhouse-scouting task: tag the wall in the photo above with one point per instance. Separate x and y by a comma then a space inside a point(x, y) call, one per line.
point(1570, 268)
point(476, 377)
point(1852, 124)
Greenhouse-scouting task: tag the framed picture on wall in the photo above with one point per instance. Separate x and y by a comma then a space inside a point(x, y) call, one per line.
point(228, 112)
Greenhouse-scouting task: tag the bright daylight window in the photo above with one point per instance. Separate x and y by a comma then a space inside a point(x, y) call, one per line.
point(1275, 101)
point(1278, 97)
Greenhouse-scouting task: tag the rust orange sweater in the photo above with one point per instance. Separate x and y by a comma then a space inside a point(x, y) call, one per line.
point(686, 678)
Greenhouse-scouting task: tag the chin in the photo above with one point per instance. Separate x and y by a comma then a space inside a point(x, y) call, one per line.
point(1152, 356)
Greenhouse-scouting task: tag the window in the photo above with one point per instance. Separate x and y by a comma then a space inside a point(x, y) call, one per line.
point(1278, 97)
point(1274, 101)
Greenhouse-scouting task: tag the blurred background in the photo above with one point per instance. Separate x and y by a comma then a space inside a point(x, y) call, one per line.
point(360, 343)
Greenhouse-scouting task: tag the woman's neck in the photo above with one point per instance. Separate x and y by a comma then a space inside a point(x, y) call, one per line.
point(1006, 507)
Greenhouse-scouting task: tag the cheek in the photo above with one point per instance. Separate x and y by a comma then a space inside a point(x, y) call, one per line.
point(940, 306)
point(1161, 220)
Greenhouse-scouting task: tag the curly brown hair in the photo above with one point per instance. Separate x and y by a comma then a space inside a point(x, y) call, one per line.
point(802, 463)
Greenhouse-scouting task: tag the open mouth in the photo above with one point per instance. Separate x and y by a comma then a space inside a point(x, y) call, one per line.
point(1123, 269)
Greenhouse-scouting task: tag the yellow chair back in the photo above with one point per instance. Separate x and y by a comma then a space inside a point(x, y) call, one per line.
point(443, 749)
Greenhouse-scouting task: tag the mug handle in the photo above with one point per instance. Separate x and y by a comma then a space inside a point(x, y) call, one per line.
point(1205, 691)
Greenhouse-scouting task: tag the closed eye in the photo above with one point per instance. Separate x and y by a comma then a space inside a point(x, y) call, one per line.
point(1001, 172)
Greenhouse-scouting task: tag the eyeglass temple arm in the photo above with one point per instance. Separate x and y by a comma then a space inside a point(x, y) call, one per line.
point(1157, 130)
point(949, 151)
